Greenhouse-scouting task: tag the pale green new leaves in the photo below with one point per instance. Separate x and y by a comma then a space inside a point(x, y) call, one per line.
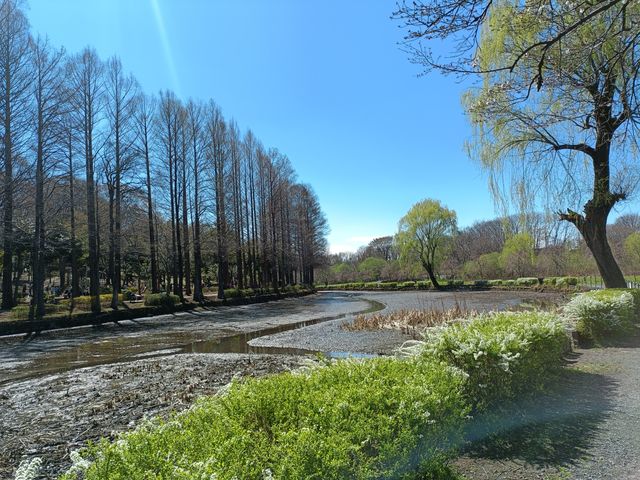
point(424, 232)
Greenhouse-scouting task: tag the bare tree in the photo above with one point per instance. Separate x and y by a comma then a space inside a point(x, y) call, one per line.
point(87, 83)
point(195, 118)
point(15, 69)
point(145, 112)
point(121, 94)
point(218, 157)
point(50, 102)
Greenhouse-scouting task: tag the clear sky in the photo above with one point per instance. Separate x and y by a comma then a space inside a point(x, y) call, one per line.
point(324, 82)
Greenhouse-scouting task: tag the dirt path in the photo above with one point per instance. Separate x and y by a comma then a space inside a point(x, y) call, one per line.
point(588, 427)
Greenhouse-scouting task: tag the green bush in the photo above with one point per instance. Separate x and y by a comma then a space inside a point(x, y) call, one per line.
point(549, 281)
point(423, 284)
point(380, 418)
point(83, 302)
point(494, 283)
point(509, 283)
point(600, 313)
point(453, 283)
point(566, 281)
point(503, 353)
point(481, 283)
point(389, 285)
point(407, 285)
point(161, 300)
point(240, 293)
point(527, 281)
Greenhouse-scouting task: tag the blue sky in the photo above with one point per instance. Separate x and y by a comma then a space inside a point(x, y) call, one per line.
point(324, 82)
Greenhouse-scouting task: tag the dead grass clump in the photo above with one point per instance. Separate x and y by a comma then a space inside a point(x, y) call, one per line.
point(409, 322)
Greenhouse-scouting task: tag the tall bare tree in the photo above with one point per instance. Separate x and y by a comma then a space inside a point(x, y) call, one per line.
point(121, 94)
point(88, 85)
point(146, 109)
point(50, 102)
point(15, 84)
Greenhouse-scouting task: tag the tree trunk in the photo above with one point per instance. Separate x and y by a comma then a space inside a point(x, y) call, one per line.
point(155, 288)
point(197, 254)
point(429, 268)
point(92, 227)
point(593, 228)
point(185, 226)
point(7, 236)
point(75, 274)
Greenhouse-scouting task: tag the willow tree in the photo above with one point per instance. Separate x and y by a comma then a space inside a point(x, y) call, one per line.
point(565, 146)
point(424, 234)
point(458, 25)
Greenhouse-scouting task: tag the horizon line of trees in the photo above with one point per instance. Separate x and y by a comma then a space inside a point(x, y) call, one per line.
point(501, 248)
point(106, 185)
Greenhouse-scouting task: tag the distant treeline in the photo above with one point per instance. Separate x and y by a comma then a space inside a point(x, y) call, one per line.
point(504, 248)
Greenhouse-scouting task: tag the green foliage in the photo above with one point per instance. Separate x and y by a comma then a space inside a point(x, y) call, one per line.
point(407, 285)
point(632, 249)
point(371, 268)
point(601, 313)
point(485, 266)
point(504, 353)
point(566, 281)
point(423, 284)
point(527, 281)
point(494, 283)
point(517, 257)
point(425, 233)
point(84, 301)
point(161, 300)
point(380, 418)
point(238, 293)
point(377, 418)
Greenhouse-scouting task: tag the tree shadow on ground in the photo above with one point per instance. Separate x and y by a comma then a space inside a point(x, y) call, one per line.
point(551, 429)
point(630, 339)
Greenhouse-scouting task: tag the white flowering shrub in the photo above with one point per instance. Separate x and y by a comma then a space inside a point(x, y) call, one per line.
point(29, 469)
point(601, 313)
point(503, 353)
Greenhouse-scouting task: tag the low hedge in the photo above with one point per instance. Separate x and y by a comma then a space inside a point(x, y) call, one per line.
point(566, 281)
point(161, 300)
point(600, 313)
point(527, 281)
point(84, 302)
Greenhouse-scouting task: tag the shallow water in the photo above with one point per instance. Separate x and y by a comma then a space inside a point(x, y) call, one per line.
point(219, 330)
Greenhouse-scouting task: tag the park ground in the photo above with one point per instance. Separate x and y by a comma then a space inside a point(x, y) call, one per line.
point(64, 388)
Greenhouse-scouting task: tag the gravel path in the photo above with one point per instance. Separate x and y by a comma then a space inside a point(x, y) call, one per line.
point(587, 427)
